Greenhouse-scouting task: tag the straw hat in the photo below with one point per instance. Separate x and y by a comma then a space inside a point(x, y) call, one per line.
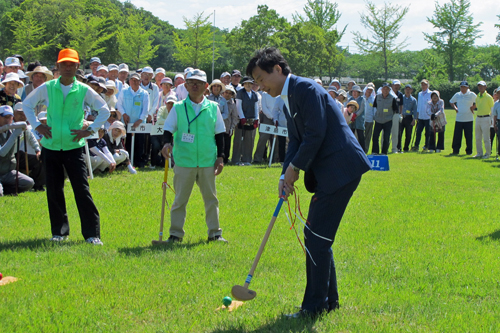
point(219, 82)
point(356, 105)
point(111, 85)
point(43, 70)
point(118, 124)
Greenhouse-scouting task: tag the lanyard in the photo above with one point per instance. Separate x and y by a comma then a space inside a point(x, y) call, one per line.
point(189, 122)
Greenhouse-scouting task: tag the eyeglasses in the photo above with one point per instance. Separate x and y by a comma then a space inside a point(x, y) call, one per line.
point(193, 83)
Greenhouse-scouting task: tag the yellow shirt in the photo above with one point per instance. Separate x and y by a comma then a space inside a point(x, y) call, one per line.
point(484, 103)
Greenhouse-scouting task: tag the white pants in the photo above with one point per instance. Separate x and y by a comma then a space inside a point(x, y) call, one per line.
point(395, 132)
point(96, 162)
point(482, 130)
point(121, 156)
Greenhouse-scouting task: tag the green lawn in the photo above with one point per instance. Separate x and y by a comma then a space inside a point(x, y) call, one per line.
point(418, 251)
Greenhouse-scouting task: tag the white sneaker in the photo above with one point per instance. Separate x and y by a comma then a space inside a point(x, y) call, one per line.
point(131, 169)
point(486, 156)
point(438, 150)
point(477, 156)
point(56, 238)
point(94, 241)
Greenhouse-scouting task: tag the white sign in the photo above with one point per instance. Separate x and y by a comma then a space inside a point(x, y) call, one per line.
point(271, 129)
point(156, 130)
point(142, 128)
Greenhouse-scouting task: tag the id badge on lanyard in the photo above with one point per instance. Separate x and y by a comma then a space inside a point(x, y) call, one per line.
point(188, 137)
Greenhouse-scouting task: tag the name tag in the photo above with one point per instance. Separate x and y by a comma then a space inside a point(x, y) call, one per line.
point(137, 103)
point(386, 110)
point(371, 104)
point(187, 137)
point(408, 112)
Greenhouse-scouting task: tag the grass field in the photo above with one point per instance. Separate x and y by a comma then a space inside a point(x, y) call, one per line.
point(418, 251)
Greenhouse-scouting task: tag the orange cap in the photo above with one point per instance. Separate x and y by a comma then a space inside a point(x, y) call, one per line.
point(68, 55)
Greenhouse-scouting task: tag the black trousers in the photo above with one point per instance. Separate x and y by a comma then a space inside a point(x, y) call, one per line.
point(493, 140)
point(281, 148)
point(466, 128)
point(55, 162)
point(440, 140)
point(139, 160)
point(227, 147)
point(156, 146)
point(407, 129)
point(361, 136)
point(35, 166)
point(421, 124)
point(387, 135)
point(325, 213)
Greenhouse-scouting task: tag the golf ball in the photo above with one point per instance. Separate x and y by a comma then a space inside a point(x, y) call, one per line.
point(227, 301)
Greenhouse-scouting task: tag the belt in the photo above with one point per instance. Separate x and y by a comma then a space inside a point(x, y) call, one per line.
point(483, 116)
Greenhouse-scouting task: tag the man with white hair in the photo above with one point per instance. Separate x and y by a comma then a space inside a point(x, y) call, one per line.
point(9, 133)
point(197, 129)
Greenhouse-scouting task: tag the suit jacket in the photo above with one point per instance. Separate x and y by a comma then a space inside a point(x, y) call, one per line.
point(321, 142)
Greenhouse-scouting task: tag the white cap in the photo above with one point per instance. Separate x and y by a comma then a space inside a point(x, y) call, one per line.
point(42, 115)
point(12, 61)
point(147, 69)
point(188, 69)
point(6, 110)
point(160, 70)
point(112, 67)
point(197, 74)
point(102, 67)
point(177, 76)
point(171, 98)
point(396, 82)
point(123, 68)
point(481, 83)
point(18, 106)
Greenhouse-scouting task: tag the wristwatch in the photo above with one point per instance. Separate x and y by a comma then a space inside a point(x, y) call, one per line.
point(91, 130)
point(294, 168)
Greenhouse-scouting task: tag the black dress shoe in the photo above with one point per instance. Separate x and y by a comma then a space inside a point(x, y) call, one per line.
point(218, 238)
point(333, 306)
point(174, 239)
point(302, 314)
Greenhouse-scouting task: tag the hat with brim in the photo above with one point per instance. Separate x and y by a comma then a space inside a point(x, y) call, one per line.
point(81, 74)
point(112, 67)
point(18, 106)
point(160, 70)
point(225, 74)
point(6, 110)
point(148, 70)
point(435, 92)
point(481, 83)
point(21, 74)
point(119, 125)
point(102, 83)
point(118, 113)
point(342, 92)
point(103, 67)
point(12, 62)
point(217, 82)
point(197, 74)
point(166, 80)
point(111, 85)
point(42, 116)
point(13, 77)
point(409, 86)
point(171, 99)
point(135, 76)
point(355, 104)
point(231, 88)
point(464, 84)
point(246, 79)
point(357, 88)
point(68, 55)
point(333, 89)
point(425, 81)
point(394, 82)
point(43, 70)
point(178, 76)
point(123, 68)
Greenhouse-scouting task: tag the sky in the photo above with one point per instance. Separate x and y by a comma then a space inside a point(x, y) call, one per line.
point(229, 14)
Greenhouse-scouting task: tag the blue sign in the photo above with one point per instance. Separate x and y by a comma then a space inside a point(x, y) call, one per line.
point(379, 162)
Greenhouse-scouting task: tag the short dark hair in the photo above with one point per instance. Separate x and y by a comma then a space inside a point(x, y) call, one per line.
point(266, 59)
point(33, 65)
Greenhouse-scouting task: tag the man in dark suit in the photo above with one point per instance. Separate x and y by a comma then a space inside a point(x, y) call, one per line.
point(324, 147)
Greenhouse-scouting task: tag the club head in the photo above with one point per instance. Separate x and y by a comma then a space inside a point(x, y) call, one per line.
point(158, 242)
point(242, 294)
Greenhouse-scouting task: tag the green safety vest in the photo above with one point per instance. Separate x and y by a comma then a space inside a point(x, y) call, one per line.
point(203, 151)
point(64, 115)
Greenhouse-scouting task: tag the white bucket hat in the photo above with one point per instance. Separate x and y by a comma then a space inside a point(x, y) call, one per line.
point(12, 77)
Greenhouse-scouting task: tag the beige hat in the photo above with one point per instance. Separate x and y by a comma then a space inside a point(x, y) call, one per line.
point(111, 85)
point(356, 105)
point(219, 82)
point(118, 113)
point(118, 124)
point(43, 70)
point(13, 77)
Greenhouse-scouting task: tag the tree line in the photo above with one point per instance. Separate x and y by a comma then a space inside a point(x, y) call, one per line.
point(119, 32)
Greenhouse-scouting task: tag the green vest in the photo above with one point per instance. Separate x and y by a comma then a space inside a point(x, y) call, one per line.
point(203, 151)
point(64, 115)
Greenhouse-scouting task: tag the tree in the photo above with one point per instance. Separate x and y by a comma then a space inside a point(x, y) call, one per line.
point(87, 35)
point(498, 26)
point(457, 32)
point(135, 42)
point(194, 48)
point(261, 30)
point(324, 15)
point(30, 38)
point(384, 26)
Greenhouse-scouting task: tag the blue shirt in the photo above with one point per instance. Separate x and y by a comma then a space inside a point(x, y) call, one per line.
point(423, 98)
point(496, 110)
point(409, 106)
point(369, 109)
